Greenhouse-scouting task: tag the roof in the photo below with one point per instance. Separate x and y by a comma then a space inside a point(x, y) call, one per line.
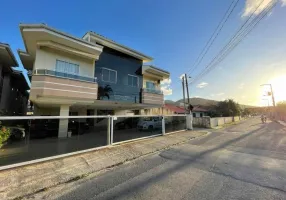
point(6, 56)
point(119, 47)
point(174, 108)
point(157, 68)
point(199, 109)
point(22, 26)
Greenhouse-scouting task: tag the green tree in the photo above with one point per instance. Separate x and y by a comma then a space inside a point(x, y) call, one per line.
point(228, 108)
point(104, 92)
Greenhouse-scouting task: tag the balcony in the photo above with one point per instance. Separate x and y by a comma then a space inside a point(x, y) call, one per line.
point(152, 96)
point(60, 85)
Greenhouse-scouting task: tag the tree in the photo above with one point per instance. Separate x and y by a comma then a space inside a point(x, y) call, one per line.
point(281, 107)
point(228, 108)
point(104, 92)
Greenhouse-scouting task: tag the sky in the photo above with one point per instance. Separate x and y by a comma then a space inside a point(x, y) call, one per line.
point(173, 33)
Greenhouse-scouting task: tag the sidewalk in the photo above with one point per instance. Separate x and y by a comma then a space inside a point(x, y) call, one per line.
point(281, 122)
point(18, 182)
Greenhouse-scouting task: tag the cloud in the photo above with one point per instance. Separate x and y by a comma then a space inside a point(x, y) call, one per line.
point(241, 86)
point(166, 81)
point(251, 6)
point(218, 94)
point(166, 87)
point(181, 77)
point(202, 85)
point(243, 97)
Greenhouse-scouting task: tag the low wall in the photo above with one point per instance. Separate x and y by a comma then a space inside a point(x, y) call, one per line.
point(207, 122)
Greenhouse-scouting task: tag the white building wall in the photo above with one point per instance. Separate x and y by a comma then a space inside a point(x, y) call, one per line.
point(46, 59)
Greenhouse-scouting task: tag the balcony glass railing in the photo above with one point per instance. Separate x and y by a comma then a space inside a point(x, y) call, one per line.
point(154, 91)
point(63, 75)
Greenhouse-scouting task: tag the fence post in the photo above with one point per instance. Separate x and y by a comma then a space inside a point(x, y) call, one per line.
point(108, 130)
point(111, 130)
point(163, 126)
point(189, 121)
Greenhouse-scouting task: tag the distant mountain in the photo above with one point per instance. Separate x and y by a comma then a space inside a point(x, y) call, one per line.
point(170, 102)
point(199, 101)
point(202, 102)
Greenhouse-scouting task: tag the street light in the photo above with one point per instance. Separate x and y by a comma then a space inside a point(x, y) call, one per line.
point(271, 93)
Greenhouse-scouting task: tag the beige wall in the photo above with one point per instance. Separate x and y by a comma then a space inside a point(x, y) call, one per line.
point(150, 98)
point(49, 86)
point(157, 111)
point(46, 59)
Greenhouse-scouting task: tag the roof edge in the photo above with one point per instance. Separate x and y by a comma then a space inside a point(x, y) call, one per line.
point(8, 48)
point(22, 26)
point(117, 44)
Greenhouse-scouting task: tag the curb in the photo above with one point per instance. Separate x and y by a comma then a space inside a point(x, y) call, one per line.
point(27, 180)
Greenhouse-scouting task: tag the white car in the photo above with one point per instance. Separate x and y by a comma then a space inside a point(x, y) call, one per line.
point(149, 123)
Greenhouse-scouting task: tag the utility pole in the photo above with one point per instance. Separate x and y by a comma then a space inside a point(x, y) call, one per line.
point(183, 84)
point(272, 94)
point(187, 88)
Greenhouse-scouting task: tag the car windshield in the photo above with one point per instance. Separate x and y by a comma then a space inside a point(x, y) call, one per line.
point(148, 119)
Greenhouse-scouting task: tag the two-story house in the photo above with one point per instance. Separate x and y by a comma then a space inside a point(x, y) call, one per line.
point(13, 85)
point(87, 76)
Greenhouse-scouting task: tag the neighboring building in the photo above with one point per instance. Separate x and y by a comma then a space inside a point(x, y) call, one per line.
point(13, 85)
point(88, 76)
point(198, 111)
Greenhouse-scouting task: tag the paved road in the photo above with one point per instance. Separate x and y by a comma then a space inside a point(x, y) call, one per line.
point(245, 161)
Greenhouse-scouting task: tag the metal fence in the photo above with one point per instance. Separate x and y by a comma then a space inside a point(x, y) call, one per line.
point(25, 140)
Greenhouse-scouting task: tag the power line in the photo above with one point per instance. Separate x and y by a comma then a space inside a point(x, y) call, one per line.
point(214, 35)
point(237, 38)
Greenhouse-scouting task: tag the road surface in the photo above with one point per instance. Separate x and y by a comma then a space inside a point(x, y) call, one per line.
point(244, 161)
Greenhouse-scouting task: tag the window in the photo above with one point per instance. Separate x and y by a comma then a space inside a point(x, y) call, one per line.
point(150, 85)
point(66, 67)
point(194, 114)
point(201, 114)
point(132, 80)
point(109, 75)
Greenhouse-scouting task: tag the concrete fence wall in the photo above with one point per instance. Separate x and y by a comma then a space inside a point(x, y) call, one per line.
point(207, 122)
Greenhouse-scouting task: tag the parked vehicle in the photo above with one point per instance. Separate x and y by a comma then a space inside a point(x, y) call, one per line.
point(130, 122)
point(78, 127)
point(16, 134)
point(149, 123)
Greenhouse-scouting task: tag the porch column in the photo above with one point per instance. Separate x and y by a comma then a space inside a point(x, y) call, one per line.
point(63, 123)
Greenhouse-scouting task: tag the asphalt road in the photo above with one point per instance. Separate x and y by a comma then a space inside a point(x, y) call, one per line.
point(244, 161)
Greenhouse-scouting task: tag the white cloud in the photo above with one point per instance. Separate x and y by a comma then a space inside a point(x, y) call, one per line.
point(167, 90)
point(220, 94)
point(166, 81)
point(241, 86)
point(251, 6)
point(243, 97)
point(202, 85)
point(166, 87)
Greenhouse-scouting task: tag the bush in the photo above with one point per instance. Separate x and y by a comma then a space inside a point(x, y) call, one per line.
point(4, 134)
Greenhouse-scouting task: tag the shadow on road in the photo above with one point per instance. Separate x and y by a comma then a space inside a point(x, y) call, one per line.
point(180, 166)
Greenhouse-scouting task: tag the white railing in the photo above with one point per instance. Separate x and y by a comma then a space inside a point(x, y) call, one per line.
point(57, 136)
point(64, 75)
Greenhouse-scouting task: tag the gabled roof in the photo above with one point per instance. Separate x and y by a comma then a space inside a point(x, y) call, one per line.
point(175, 109)
point(101, 40)
point(199, 109)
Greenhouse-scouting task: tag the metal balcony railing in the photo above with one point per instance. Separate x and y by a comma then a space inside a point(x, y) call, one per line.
point(154, 91)
point(64, 75)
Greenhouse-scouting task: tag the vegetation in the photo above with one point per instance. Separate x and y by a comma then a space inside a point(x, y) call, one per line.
point(227, 108)
point(4, 135)
point(104, 92)
point(281, 107)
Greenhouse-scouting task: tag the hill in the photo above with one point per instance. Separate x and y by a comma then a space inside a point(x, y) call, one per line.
point(202, 102)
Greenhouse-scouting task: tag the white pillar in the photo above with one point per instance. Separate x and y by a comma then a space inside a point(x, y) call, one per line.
point(189, 121)
point(63, 123)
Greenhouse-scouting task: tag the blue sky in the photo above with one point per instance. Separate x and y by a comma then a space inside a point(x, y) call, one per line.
point(172, 32)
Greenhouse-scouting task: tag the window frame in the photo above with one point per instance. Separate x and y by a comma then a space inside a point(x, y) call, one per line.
point(70, 63)
point(152, 83)
point(109, 75)
point(137, 85)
